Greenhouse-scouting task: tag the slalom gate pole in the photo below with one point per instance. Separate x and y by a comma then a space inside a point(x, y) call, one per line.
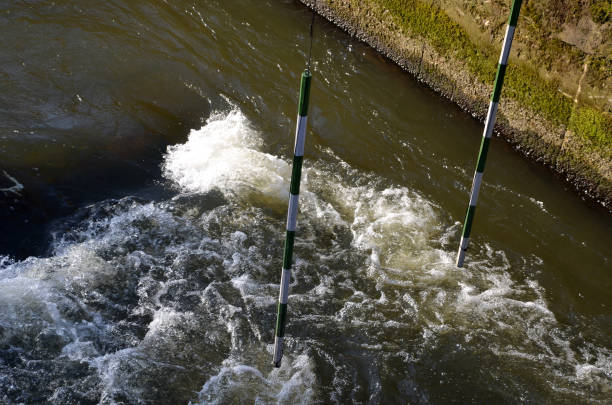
point(294, 192)
point(488, 131)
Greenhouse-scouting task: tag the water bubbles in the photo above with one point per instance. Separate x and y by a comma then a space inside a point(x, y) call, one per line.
point(222, 155)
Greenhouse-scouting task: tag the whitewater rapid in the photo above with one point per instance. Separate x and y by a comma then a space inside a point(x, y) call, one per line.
point(153, 301)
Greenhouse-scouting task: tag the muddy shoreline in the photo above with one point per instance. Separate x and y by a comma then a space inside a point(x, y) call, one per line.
point(581, 164)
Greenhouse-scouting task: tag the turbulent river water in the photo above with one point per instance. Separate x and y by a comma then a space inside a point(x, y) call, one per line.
point(144, 156)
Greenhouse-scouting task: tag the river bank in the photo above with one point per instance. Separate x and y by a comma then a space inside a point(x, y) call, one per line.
point(555, 107)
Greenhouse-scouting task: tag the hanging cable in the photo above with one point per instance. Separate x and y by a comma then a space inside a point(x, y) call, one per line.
point(312, 21)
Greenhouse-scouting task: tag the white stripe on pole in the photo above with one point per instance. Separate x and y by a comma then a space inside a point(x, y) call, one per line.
point(462, 248)
point(490, 123)
point(300, 136)
point(284, 291)
point(476, 188)
point(292, 212)
point(503, 58)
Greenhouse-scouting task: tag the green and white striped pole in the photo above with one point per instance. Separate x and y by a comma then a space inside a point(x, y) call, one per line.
point(294, 192)
point(488, 131)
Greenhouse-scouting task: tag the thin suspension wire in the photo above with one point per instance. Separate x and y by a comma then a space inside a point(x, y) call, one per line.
point(311, 36)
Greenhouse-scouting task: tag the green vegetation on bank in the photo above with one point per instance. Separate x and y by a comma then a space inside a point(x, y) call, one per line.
point(592, 124)
point(601, 10)
point(523, 83)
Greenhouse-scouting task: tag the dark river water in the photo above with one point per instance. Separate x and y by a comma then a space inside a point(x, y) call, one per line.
point(144, 176)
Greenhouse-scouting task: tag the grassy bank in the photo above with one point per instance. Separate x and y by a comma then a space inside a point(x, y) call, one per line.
point(523, 82)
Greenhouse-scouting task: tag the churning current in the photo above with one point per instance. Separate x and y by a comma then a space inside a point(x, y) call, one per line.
point(159, 301)
point(170, 297)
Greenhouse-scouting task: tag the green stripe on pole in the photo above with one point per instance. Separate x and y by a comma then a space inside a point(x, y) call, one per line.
point(296, 175)
point(304, 93)
point(281, 316)
point(482, 155)
point(499, 82)
point(288, 254)
point(467, 226)
point(514, 14)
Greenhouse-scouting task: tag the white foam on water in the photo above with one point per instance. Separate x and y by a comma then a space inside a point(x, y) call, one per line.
point(37, 295)
point(390, 241)
point(596, 375)
point(293, 383)
point(5, 261)
point(540, 204)
point(397, 226)
point(223, 154)
point(404, 234)
point(163, 320)
point(117, 370)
